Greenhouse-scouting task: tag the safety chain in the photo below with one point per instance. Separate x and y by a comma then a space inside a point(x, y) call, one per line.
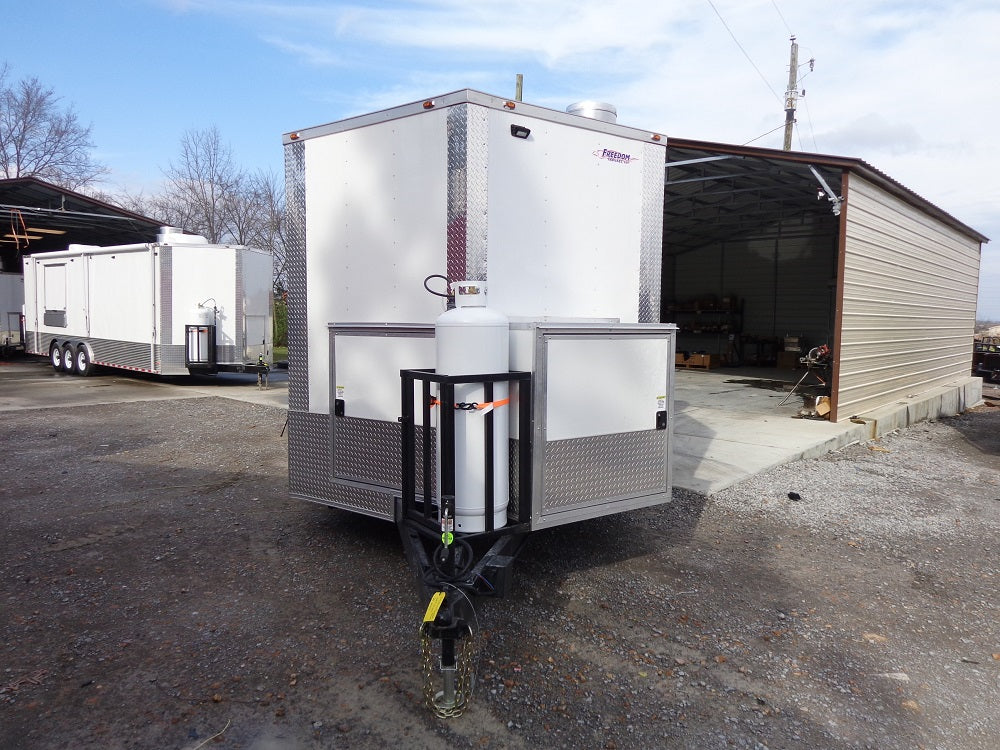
point(463, 675)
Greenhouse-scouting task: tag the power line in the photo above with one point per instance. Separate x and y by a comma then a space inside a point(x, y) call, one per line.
point(762, 77)
point(778, 11)
point(764, 135)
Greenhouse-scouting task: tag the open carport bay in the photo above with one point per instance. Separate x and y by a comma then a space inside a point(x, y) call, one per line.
point(159, 588)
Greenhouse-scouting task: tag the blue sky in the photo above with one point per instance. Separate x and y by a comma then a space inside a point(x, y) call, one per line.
point(909, 86)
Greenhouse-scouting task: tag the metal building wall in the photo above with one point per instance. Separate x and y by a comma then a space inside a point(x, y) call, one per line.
point(908, 304)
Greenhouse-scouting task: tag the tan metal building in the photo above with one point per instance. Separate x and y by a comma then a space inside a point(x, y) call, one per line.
point(765, 249)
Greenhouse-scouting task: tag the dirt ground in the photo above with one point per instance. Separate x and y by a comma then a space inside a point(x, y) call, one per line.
point(160, 590)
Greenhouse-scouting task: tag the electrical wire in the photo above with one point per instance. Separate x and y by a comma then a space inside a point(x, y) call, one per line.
point(778, 11)
point(764, 135)
point(747, 56)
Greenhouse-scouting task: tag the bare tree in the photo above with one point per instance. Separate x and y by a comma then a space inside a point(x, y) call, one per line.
point(208, 194)
point(257, 218)
point(201, 185)
point(40, 139)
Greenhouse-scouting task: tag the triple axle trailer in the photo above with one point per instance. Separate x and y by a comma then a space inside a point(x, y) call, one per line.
point(176, 306)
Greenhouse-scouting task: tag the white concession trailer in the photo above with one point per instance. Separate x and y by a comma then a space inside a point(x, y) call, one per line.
point(11, 305)
point(474, 341)
point(176, 306)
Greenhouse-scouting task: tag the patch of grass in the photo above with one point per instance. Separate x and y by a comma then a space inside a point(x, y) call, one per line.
point(280, 353)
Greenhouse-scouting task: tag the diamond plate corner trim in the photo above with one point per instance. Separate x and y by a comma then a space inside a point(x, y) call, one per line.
point(241, 323)
point(477, 193)
point(651, 233)
point(295, 249)
point(166, 295)
point(457, 207)
point(603, 468)
point(468, 159)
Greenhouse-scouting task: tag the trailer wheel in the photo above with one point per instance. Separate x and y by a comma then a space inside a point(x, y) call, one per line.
point(82, 363)
point(55, 356)
point(67, 358)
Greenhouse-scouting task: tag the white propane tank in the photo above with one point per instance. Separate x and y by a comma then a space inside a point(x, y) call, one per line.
point(472, 339)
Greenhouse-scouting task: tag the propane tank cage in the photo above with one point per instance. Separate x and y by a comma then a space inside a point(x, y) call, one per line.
point(420, 520)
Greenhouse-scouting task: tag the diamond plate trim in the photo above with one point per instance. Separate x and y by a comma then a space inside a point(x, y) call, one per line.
point(166, 295)
point(309, 474)
point(295, 248)
point(651, 233)
point(477, 193)
point(581, 471)
point(468, 181)
point(457, 207)
point(370, 451)
point(240, 348)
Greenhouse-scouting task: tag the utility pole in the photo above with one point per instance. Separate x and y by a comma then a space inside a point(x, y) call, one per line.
point(792, 94)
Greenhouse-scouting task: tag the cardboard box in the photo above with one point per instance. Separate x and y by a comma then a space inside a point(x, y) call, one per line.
point(789, 360)
point(698, 361)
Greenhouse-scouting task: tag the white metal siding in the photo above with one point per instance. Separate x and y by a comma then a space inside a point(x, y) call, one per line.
point(909, 301)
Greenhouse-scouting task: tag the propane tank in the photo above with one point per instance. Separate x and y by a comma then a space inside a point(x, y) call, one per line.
point(472, 339)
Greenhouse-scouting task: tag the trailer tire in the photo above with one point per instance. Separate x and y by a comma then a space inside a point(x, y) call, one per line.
point(55, 356)
point(81, 363)
point(67, 359)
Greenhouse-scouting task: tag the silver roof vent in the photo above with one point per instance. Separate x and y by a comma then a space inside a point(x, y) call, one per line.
point(594, 110)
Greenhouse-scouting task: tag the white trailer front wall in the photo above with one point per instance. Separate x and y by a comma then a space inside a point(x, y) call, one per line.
point(576, 250)
point(375, 218)
point(910, 286)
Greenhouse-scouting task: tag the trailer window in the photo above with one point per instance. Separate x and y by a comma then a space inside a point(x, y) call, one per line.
point(54, 285)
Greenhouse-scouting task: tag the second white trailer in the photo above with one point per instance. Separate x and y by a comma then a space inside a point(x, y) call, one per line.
point(172, 307)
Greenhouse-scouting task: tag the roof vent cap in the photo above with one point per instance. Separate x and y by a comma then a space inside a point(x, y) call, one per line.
point(594, 110)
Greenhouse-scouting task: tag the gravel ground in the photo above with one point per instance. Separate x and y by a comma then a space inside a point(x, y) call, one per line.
point(160, 590)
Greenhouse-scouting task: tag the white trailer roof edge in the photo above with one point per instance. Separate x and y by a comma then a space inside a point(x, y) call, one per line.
point(74, 251)
point(469, 96)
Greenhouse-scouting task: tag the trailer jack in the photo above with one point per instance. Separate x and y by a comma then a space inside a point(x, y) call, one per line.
point(453, 633)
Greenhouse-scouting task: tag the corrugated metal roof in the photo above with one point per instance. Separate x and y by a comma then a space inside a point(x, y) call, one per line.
point(717, 191)
point(46, 217)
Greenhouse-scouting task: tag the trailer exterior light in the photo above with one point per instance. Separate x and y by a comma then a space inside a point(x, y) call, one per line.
point(656, 136)
point(519, 131)
point(293, 136)
point(509, 105)
point(429, 104)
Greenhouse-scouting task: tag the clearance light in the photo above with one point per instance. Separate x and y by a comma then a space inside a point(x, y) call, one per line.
point(429, 104)
point(509, 105)
point(655, 136)
point(293, 136)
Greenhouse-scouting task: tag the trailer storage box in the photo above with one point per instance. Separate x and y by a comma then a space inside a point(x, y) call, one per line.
point(169, 307)
point(559, 216)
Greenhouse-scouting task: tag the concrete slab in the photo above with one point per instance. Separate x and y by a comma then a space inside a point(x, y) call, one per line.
point(30, 383)
point(731, 424)
point(728, 424)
